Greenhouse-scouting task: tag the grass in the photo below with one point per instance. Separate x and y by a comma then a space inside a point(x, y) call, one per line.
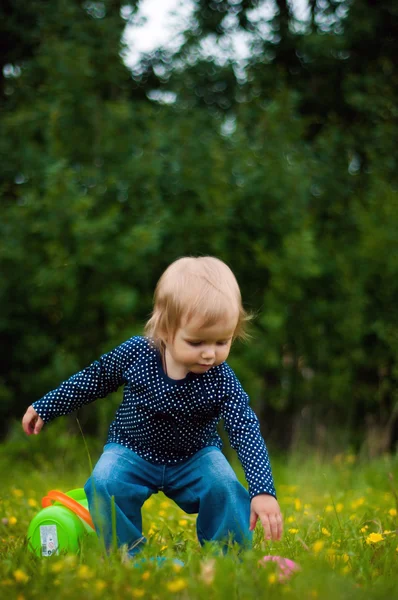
point(341, 527)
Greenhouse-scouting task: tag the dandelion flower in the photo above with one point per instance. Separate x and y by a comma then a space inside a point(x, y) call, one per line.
point(357, 503)
point(32, 502)
point(146, 575)
point(272, 578)
point(374, 538)
point(100, 585)
point(364, 529)
point(392, 512)
point(137, 593)
point(17, 493)
point(84, 572)
point(20, 576)
point(317, 546)
point(177, 585)
point(12, 520)
point(290, 520)
point(346, 569)
point(326, 532)
point(293, 531)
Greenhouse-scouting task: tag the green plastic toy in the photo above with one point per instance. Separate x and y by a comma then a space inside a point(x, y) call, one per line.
point(60, 527)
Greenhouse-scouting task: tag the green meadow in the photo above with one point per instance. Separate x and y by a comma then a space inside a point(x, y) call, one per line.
point(341, 528)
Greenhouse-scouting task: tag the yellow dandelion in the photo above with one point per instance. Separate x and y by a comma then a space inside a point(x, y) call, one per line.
point(183, 522)
point(20, 576)
point(17, 493)
point(290, 520)
point(148, 503)
point(364, 529)
point(12, 520)
point(84, 572)
point(151, 531)
point(57, 567)
point(165, 504)
point(100, 585)
point(137, 593)
point(329, 508)
point(297, 504)
point(326, 532)
point(374, 538)
point(176, 567)
point(162, 513)
point(70, 560)
point(177, 585)
point(293, 531)
point(272, 578)
point(339, 507)
point(345, 558)
point(345, 569)
point(387, 532)
point(392, 512)
point(317, 546)
point(163, 548)
point(146, 575)
point(331, 556)
point(32, 502)
point(357, 503)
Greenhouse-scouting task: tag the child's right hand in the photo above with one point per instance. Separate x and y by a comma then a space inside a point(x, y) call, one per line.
point(31, 422)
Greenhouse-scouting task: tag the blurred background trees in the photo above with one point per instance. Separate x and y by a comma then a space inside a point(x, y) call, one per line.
point(284, 165)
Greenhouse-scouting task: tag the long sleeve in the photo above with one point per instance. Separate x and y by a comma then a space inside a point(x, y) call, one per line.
point(97, 380)
point(243, 430)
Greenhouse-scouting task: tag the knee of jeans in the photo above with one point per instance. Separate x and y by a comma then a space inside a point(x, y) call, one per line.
point(100, 487)
point(226, 487)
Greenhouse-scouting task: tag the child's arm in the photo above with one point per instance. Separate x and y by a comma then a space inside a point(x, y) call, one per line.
point(243, 430)
point(97, 380)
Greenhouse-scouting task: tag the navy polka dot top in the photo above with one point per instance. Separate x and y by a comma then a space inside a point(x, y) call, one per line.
point(163, 420)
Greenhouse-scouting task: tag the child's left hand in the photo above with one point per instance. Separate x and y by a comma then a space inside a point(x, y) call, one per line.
point(266, 508)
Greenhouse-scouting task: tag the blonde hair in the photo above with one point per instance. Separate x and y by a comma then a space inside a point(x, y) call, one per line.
point(203, 287)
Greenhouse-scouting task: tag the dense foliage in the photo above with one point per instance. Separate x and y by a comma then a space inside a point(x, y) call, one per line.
point(288, 172)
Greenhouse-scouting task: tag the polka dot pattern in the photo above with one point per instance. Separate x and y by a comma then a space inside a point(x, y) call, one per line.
point(165, 421)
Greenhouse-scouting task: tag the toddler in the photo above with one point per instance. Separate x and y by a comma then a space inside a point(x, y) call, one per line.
point(177, 387)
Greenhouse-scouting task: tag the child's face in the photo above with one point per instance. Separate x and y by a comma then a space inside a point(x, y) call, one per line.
point(197, 349)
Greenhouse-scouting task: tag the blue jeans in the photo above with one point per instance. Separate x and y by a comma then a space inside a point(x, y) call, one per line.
point(204, 484)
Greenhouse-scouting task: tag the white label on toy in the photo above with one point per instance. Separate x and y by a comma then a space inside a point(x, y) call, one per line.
point(49, 540)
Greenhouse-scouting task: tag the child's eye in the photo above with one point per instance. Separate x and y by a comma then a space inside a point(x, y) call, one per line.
point(223, 343)
point(194, 343)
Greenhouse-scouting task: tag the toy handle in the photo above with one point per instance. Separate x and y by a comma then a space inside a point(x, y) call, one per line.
point(70, 503)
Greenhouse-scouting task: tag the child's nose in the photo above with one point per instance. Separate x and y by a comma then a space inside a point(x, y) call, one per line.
point(208, 353)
